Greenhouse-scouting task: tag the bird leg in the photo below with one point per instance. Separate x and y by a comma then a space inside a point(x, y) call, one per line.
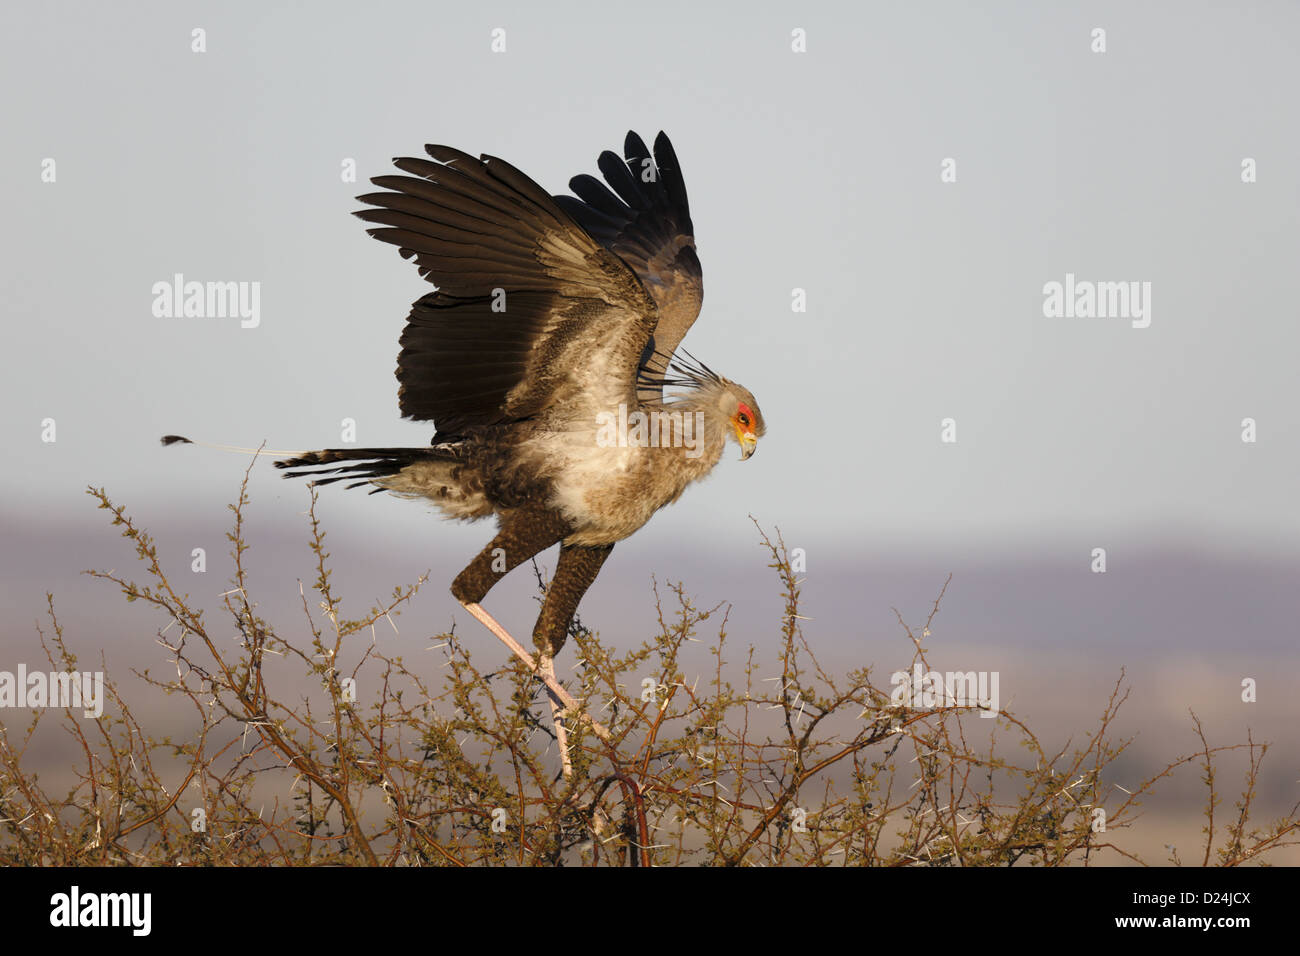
point(552, 685)
point(546, 666)
point(558, 695)
point(522, 535)
point(575, 571)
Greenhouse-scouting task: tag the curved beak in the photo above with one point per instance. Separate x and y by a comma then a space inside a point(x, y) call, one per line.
point(747, 444)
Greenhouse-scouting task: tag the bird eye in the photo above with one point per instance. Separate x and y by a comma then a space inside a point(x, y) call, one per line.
point(743, 419)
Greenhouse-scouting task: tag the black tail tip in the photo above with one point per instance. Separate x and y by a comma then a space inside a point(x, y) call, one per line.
point(173, 439)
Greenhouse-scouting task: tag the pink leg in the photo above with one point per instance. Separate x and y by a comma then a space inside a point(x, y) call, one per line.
point(546, 667)
point(562, 701)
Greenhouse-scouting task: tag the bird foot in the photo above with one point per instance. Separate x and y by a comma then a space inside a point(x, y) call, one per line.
point(562, 702)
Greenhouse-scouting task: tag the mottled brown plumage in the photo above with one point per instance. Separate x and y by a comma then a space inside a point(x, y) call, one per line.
point(542, 359)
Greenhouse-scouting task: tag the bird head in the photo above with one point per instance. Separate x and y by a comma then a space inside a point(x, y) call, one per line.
point(729, 405)
point(744, 419)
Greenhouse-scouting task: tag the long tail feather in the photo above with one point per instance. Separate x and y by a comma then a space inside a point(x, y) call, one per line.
point(368, 463)
point(182, 440)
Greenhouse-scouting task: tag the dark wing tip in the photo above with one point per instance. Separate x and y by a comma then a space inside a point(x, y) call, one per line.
point(634, 145)
point(450, 154)
point(175, 439)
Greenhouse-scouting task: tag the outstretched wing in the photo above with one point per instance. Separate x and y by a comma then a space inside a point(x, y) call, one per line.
point(529, 313)
point(646, 222)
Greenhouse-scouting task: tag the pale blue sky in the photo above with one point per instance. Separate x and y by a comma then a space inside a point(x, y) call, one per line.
point(817, 170)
